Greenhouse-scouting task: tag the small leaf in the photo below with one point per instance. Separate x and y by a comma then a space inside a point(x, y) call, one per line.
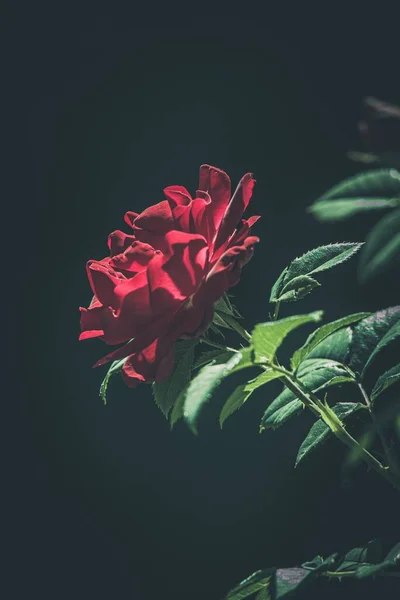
point(224, 305)
point(267, 337)
point(297, 288)
point(321, 259)
point(234, 402)
point(277, 287)
point(321, 333)
point(365, 191)
point(219, 321)
point(319, 432)
point(388, 378)
point(381, 251)
point(262, 379)
point(367, 334)
point(115, 367)
point(166, 392)
point(218, 356)
point(256, 582)
point(242, 393)
point(207, 380)
point(286, 405)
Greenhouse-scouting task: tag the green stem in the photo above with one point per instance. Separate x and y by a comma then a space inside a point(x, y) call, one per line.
point(391, 459)
point(352, 574)
point(276, 311)
point(216, 345)
point(237, 327)
point(337, 427)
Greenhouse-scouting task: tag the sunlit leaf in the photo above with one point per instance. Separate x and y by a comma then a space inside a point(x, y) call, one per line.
point(382, 247)
point(207, 380)
point(319, 432)
point(242, 393)
point(321, 333)
point(115, 368)
point(259, 580)
point(267, 337)
point(286, 405)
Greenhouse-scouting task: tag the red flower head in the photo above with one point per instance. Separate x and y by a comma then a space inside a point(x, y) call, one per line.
point(161, 281)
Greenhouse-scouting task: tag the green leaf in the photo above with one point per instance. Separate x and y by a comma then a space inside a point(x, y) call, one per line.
point(336, 346)
point(292, 580)
point(386, 380)
point(286, 405)
point(365, 191)
point(337, 210)
point(208, 379)
point(319, 432)
point(389, 337)
point(242, 393)
point(224, 305)
point(311, 365)
point(267, 337)
point(297, 288)
point(259, 580)
point(234, 402)
point(277, 287)
point(367, 335)
point(321, 333)
point(295, 281)
point(321, 259)
point(219, 321)
point(167, 392)
point(370, 568)
point(262, 379)
point(115, 367)
point(218, 356)
point(381, 251)
point(177, 409)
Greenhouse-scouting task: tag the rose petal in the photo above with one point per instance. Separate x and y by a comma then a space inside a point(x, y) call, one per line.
point(103, 279)
point(157, 218)
point(218, 185)
point(235, 209)
point(177, 195)
point(118, 241)
point(135, 257)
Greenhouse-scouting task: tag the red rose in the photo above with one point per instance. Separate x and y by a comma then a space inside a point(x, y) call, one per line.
point(160, 282)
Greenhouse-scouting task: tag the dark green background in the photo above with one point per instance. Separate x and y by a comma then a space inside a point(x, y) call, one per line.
point(110, 106)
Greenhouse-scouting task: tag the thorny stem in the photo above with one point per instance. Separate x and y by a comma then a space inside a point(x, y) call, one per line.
point(309, 399)
point(391, 459)
point(240, 330)
point(336, 426)
point(341, 574)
